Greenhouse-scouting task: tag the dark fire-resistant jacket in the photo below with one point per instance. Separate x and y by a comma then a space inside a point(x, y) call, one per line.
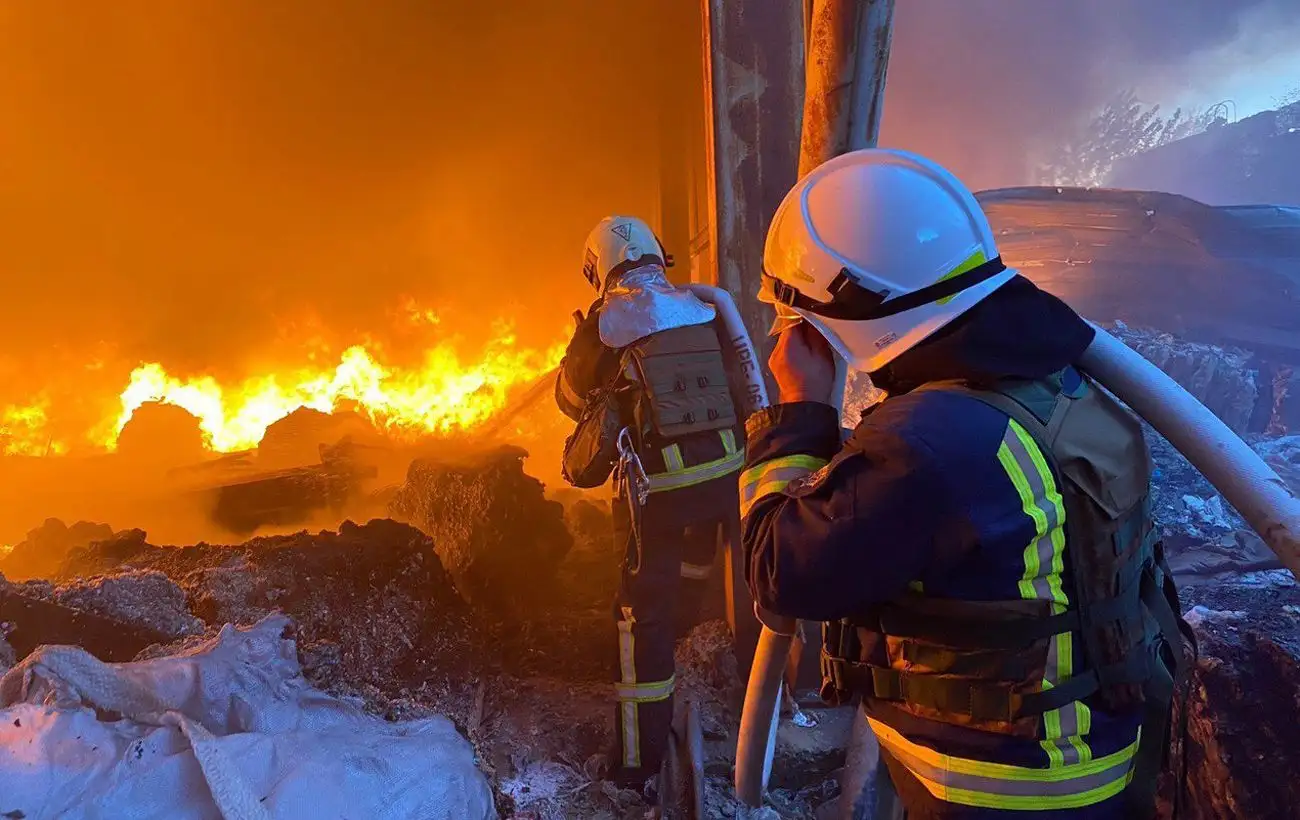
point(936, 492)
point(697, 472)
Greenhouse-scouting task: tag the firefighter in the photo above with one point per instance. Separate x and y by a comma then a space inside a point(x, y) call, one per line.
point(645, 379)
point(980, 549)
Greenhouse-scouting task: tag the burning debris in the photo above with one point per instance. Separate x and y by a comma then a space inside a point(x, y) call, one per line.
point(491, 524)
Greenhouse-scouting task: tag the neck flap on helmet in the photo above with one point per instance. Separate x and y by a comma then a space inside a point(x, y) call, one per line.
point(852, 302)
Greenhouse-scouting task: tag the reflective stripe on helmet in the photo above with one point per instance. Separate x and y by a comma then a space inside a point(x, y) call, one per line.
point(771, 477)
point(1001, 786)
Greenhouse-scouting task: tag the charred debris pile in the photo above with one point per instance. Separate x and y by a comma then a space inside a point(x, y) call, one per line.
point(474, 593)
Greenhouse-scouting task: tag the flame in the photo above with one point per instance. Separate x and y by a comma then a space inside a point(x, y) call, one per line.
point(23, 431)
point(442, 395)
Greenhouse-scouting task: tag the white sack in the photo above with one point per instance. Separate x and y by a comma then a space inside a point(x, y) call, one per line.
point(229, 730)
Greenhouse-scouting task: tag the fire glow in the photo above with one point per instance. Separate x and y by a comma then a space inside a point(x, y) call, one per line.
point(444, 394)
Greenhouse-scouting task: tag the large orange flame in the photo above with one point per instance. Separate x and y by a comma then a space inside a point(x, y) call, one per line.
point(23, 431)
point(443, 395)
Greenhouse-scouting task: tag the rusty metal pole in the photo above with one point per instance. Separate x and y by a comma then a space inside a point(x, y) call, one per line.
point(847, 61)
point(753, 66)
point(846, 52)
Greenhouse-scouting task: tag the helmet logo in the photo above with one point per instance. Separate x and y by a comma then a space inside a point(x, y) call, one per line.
point(589, 269)
point(624, 230)
point(886, 340)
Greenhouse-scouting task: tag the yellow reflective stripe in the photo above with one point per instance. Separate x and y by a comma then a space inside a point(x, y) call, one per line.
point(973, 261)
point(627, 670)
point(645, 692)
point(673, 458)
point(999, 785)
point(568, 393)
point(771, 477)
point(698, 474)
point(631, 735)
point(696, 572)
point(1044, 558)
point(728, 440)
point(1056, 548)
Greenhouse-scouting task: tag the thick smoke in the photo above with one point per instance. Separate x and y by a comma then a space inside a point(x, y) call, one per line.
point(217, 183)
point(983, 85)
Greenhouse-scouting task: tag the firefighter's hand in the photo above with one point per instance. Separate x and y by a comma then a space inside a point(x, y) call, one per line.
point(803, 365)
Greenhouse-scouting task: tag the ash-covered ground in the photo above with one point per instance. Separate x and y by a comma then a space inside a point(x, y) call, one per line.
point(483, 598)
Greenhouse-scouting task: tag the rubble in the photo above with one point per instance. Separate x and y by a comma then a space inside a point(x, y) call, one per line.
point(144, 598)
point(30, 617)
point(45, 547)
point(1244, 699)
point(297, 439)
point(162, 434)
point(377, 592)
point(1284, 416)
point(1221, 378)
point(491, 524)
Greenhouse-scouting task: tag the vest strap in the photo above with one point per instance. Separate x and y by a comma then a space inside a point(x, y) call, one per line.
point(965, 631)
point(982, 700)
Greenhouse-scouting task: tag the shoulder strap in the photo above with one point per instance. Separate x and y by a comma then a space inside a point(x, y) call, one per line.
point(1038, 406)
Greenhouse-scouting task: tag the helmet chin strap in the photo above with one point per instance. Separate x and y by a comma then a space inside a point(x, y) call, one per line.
point(854, 303)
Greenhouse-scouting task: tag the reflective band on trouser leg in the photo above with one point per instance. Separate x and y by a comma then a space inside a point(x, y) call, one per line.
point(999, 786)
point(771, 477)
point(1064, 729)
point(631, 740)
point(696, 572)
point(645, 692)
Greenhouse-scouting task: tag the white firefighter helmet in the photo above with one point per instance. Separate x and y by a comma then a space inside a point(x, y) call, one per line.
point(615, 241)
point(878, 249)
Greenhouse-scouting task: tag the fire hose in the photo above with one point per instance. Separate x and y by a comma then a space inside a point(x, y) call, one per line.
point(1245, 480)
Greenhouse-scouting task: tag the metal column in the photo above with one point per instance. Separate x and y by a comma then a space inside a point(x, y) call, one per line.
point(753, 65)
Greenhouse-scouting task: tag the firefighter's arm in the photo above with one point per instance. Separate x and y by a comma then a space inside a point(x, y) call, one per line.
point(829, 529)
point(587, 364)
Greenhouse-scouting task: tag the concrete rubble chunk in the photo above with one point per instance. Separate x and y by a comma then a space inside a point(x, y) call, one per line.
point(491, 525)
point(144, 598)
point(377, 591)
point(1221, 378)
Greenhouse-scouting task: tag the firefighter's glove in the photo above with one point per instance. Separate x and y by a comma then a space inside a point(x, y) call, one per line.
point(803, 365)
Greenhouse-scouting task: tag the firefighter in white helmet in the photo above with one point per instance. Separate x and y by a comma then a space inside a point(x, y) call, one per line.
point(645, 379)
point(981, 548)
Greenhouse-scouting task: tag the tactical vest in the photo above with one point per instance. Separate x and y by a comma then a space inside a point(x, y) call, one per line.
point(682, 410)
point(984, 665)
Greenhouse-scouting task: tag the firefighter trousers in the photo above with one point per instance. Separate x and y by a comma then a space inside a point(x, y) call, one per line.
point(664, 579)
